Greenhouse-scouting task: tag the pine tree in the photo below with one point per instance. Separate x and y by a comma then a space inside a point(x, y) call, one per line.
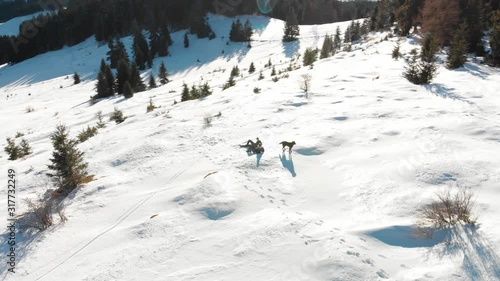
point(185, 93)
point(383, 15)
point(128, 92)
point(163, 75)
point(194, 93)
point(347, 35)
point(261, 75)
point(251, 69)
point(205, 90)
point(164, 41)
point(12, 149)
point(273, 71)
point(292, 30)
point(186, 41)
point(495, 38)
point(310, 56)
point(136, 80)
point(110, 79)
point(457, 55)
point(395, 52)
point(429, 48)
point(229, 83)
point(337, 41)
point(76, 78)
point(68, 168)
point(247, 31)
point(152, 81)
point(105, 81)
point(25, 148)
point(141, 49)
point(235, 71)
point(237, 32)
point(327, 48)
point(122, 76)
point(407, 14)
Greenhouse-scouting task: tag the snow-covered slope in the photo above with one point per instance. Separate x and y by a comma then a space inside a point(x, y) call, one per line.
point(175, 199)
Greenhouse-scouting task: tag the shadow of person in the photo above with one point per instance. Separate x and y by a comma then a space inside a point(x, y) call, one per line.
point(288, 163)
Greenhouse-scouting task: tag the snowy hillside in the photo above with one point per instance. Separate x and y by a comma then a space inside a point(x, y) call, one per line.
point(176, 199)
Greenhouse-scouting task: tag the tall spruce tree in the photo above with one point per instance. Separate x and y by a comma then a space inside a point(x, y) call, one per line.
point(135, 79)
point(68, 168)
point(327, 48)
point(292, 30)
point(185, 96)
point(251, 69)
point(337, 41)
point(247, 31)
point(122, 76)
point(128, 92)
point(457, 55)
point(152, 80)
point(495, 38)
point(162, 74)
point(141, 49)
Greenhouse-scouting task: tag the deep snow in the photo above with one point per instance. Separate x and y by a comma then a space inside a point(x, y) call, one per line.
point(371, 150)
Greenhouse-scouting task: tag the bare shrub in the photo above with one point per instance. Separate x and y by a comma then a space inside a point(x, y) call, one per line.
point(450, 208)
point(38, 216)
point(29, 109)
point(305, 83)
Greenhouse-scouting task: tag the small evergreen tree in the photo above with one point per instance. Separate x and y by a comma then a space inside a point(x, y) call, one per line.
point(152, 81)
point(76, 78)
point(310, 56)
point(273, 71)
point(151, 106)
point(395, 52)
point(229, 83)
point(25, 148)
point(195, 93)
point(163, 75)
point(186, 40)
point(457, 55)
point(337, 41)
point(292, 30)
point(429, 49)
point(68, 168)
point(122, 76)
point(235, 71)
point(252, 68)
point(12, 149)
point(247, 31)
point(185, 93)
point(327, 48)
point(261, 75)
point(205, 90)
point(135, 79)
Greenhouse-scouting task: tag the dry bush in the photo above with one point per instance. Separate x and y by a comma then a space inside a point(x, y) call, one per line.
point(29, 109)
point(38, 216)
point(207, 119)
point(305, 83)
point(450, 208)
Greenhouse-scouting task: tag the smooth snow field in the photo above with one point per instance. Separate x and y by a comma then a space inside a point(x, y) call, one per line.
point(177, 199)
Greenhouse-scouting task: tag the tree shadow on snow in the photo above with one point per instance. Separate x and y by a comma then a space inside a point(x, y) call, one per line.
point(291, 48)
point(444, 92)
point(288, 163)
point(474, 69)
point(24, 241)
point(480, 261)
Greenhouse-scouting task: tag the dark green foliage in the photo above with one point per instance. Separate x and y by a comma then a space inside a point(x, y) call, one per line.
point(240, 33)
point(407, 15)
point(100, 120)
point(87, 133)
point(273, 71)
point(292, 30)
point(235, 71)
point(201, 28)
point(194, 93)
point(136, 80)
point(495, 38)
point(186, 41)
point(310, 56)
point(337, 41)
point(122, 76)
point(395, 52)
point(163, 75)
point(229, 83)
point(457, 55)
point(327, 48)
point(269, 63)
point(117, 116)
point(261, 75)
point(105, 81)
point(76, 78)
point(256, 90)
point(383, 15)
point(68, 168)
point(152, 81)
point(128, 92)
point(185, 93)
point(151, 106)
point(116, 52)
point(205, 90)
point(423, 71)
point(429, 49)
point(25, 148)
point(12, 149)
point(141, 50)
point(252, 68)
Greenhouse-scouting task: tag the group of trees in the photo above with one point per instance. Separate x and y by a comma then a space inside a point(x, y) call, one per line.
point(195, 92)
point(128, 80)
point(240, 32)
point(79, 20)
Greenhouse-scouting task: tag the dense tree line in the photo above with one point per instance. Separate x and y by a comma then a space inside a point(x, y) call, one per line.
point(115, 18)
point(9, 10)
